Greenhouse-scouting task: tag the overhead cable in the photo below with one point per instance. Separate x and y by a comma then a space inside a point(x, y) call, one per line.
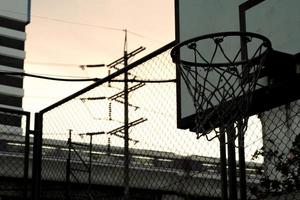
point(81, 79)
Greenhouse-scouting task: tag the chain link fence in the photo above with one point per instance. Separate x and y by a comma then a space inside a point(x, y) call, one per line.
point(280, 150)
point(15, 151)
point(83, 143)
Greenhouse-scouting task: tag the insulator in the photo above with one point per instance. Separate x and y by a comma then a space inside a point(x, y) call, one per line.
point(109, 111)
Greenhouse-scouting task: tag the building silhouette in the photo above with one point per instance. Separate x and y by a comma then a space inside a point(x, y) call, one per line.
point(14, 16)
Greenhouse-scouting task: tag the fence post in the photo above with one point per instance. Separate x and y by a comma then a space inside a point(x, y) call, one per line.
point(231, 162)
point(68, 167)
point(26, 155)
point(37, 156)
point(242, 163)
point(224, 185)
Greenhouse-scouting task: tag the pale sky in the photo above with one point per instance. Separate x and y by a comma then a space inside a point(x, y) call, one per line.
point(64, 34)
point(75, 32)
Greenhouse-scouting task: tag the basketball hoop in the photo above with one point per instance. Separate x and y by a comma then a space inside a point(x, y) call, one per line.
point(221, 72)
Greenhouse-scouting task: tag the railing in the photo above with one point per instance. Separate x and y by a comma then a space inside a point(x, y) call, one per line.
point(58, 150)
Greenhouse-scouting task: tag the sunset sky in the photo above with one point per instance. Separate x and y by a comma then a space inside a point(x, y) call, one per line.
point(64, 34)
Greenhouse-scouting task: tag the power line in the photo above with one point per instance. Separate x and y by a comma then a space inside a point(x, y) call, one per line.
point(61, 76)
point(4, 72)
point(52, 63)
point(79, 24)
point(47, 77)
point(80, 79)
point(147, 81)
point(91, 25)
point(64, 21)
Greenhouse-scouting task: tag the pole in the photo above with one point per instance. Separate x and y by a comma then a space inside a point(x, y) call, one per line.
point(90, 163)
point(231, 162)
point(242, 163)
point(126, 127)
point(68, 166)
point(37, 156)
point(223, 164)
point(26, 156)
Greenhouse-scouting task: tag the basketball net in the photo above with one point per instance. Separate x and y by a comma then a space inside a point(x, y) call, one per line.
point(221, 80)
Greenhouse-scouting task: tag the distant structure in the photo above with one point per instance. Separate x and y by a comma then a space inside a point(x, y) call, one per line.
point(14, 16)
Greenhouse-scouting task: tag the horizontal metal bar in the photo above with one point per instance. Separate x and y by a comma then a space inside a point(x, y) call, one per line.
point(249, 4)
point(79, 144)
point(13, 111)
point(80, 170)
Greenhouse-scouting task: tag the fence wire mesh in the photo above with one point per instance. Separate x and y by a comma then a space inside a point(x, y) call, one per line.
point(15, 154)
point(83, 144)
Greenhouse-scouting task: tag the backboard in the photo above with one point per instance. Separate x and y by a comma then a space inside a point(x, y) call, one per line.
point(276, 19)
